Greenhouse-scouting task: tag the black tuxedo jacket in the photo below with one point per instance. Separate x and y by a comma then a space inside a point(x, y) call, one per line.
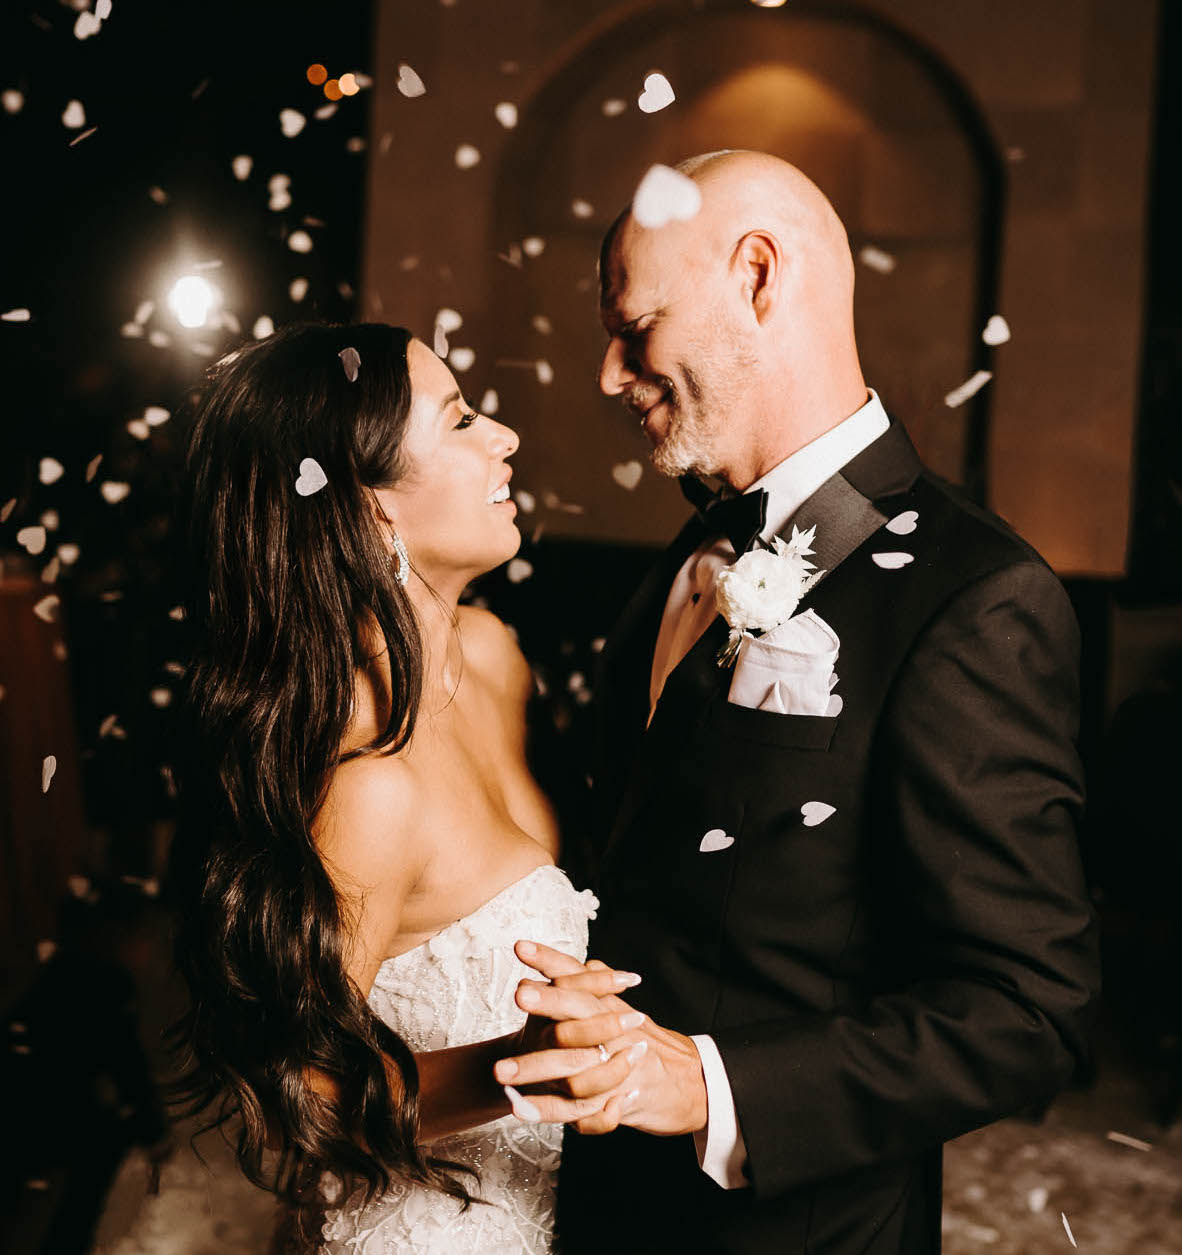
point(920, 963)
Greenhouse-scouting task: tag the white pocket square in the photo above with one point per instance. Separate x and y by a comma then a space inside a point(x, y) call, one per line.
point(788, 670)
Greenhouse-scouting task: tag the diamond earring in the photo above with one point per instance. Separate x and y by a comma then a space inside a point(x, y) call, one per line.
point(401, 560)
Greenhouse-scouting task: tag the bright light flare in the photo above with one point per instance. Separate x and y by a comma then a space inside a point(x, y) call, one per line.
point(193, 299)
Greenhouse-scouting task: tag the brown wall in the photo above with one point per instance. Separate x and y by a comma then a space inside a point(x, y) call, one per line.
point(911, 117)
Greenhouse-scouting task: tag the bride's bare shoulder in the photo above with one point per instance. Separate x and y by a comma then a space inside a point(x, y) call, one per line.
point(491, 650)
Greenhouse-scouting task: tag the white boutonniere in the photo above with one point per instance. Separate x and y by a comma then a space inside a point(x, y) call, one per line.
point(763, 588)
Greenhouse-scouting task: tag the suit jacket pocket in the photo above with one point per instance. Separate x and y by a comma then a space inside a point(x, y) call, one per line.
point(807, 732)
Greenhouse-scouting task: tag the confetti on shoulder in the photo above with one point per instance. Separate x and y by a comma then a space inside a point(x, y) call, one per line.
point(351, 361)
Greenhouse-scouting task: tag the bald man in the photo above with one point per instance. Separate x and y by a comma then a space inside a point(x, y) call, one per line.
point(845, 863)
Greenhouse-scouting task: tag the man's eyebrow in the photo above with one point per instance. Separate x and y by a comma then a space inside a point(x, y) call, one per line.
point(447, 400)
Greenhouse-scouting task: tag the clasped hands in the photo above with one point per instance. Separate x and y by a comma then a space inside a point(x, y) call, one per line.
point(585, 1058)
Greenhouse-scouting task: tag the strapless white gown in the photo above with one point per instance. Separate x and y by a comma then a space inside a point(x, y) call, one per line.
point(455, 989)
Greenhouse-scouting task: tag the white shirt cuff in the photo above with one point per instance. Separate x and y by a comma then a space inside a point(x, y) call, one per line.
point(722, 1153)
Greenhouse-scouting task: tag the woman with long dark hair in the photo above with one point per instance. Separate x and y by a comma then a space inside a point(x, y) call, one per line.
point(361, 841)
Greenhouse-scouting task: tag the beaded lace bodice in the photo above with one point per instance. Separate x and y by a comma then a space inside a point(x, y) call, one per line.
point(455, 989)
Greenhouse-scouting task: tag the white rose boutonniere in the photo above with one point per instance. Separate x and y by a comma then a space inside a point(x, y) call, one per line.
point(763, 588)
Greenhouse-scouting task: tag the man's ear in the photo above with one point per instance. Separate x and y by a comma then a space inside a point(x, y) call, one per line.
point(760, 264)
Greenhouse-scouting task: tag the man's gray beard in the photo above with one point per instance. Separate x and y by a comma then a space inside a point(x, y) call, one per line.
point(686, 450)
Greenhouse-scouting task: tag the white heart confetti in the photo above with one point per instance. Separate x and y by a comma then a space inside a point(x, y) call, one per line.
point(892, 561)
point(160, 697)
point(467, 155)
point(46, 609)
point(461, 359)
point(533, 245)
point(816, 813)
point(877, 259)
point(544, 371)
point(351, 362)
point(14, 101)
point(970, 388)
point(490, 402)
point(74, 115)
point(299, 242)
point(409, 83)
point(627, 474)
point(298, 288)
point(263, 327)
point(139, 429)
point(997, 331)
point(242, 166)
point(904, 524)
point(292, 122)
point(15, 315)
point(582, 208)
point(835, 706)
point(449, 320)
point(614, 107)
point(715, 840)
point(50, 470)
point(506, 114)
point(154, 415)
point(519, 569)
point(32, 539)
point(657, 94)
point(665, 196)
point(114, 491)
point(526, 501)
point(86, 25)
point(68, 552)
point(311, 478)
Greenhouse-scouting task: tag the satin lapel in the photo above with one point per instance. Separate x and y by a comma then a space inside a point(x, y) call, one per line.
point(843, 519)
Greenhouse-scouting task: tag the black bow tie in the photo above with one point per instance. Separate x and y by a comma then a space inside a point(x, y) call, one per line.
point(740, 519)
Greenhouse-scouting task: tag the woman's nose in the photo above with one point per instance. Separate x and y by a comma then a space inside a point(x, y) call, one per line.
point(505, 441)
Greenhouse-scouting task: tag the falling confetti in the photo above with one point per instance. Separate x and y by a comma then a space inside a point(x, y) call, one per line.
point(467, 155)
point(490, 402)
point(518, 570)
point(351, 362)
point(177, 613)
point(355, 144)
point(68, 552)
point(657, 95)
point(544, 371)
point(1123, 1139)
point(49, 520)
point(154, 415)
point(160, 339)
point(92, 467)
point(144, 311)
point(627, 474)
point(461, 359)
point(102, 10)
point(533, 246)
point(526, 502)
point(31, 539)
point(159, 195)
point(242, 166)
point(74, 116)
point(79, 886)
point(409, 83)
point(46, 609)
point(815, 813)
point(299, 242)
point(48, 767)
point(613, 107)
point(87, 24)
point(664, 196)
point(970, 388)
point(311, 478)
point(582, 208)
point(263, 327)
point(541, 324)
point(291, 122)
point(45, 951)
point(1067, 1227)
point(997, 331)
point(50, 470)
point(15, 315)
point(52, 570)
point(279, 191)
point(506, 114)
point(877, 259)
point(85, 135)
point(160, 697)
point(297, 289)
point(326, 111)
point(7, 509)
point(110, 727)
point(114, 491)
point(1036, 1200)
point(14, 101)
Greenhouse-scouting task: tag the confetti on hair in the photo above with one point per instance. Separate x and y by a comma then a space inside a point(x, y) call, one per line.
point(1123, 1139)
point(311, 478)
point(351, 361)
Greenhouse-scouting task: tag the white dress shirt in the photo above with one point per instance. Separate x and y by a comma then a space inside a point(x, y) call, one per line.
point(689, 611)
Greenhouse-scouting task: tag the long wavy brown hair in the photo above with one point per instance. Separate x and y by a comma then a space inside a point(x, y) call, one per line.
point(279, 586)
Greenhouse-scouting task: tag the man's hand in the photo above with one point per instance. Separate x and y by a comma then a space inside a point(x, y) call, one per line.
point(617, 1066)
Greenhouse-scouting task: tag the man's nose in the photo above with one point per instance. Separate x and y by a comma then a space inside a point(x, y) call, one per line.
point(615, 371)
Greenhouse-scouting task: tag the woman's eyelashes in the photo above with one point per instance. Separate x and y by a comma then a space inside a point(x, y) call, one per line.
point(467, 418)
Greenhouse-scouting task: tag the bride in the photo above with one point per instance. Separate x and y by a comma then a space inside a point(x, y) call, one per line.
point(361, 842)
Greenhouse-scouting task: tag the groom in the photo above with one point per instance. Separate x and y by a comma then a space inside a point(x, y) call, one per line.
point(845, 863)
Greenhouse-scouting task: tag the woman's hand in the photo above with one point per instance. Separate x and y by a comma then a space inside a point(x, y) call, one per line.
point(579, 1046)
